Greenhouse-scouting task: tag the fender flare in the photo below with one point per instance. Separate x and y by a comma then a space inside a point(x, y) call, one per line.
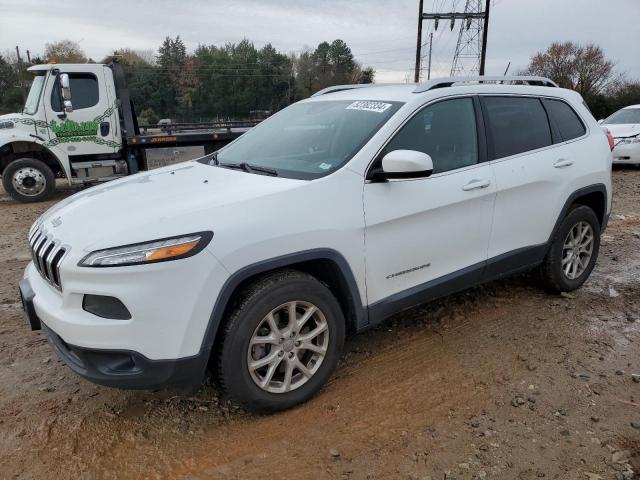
point(234, 281)
point(595, 188)
point(64, 165)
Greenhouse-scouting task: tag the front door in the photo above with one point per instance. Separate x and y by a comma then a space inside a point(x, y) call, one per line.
point(429, 233)
point(88, 129)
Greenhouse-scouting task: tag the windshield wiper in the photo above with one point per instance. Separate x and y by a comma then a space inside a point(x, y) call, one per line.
point(249, 168)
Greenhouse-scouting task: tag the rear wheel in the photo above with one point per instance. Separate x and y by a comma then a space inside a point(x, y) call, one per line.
point(28, 180)
point(282, 342)
point(573, 251)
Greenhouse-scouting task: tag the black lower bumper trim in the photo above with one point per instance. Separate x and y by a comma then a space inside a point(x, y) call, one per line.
point(127, 369)
point(27, 296)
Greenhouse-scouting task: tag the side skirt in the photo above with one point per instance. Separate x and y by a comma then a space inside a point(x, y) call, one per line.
point(501, 266)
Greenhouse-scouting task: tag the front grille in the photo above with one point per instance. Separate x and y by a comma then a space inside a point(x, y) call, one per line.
point(47, 253)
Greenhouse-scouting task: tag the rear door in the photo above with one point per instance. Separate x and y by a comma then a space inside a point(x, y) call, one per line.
point(532, 177)
point(421, 232)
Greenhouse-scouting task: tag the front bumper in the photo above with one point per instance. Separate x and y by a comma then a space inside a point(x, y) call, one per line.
point(627, 154)
point(117, 368)
point(127, 369)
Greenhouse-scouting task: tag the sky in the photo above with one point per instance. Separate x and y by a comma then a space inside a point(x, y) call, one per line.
point(381, 33)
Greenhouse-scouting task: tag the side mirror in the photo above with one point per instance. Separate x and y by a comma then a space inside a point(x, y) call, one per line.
point(65, 87)
point(406, 164)
point(68, 108)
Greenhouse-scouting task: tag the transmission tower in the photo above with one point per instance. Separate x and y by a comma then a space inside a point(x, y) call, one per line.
point(471, 49)
point(466, 60)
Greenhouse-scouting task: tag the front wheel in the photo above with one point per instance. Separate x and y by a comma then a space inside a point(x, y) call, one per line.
point(573, 252)
point(281, 343)
point(28, 180)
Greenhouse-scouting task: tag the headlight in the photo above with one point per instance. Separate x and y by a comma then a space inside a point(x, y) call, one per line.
point(161, 250)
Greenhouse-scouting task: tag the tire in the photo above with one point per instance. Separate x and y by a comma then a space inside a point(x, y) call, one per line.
point(256, 302)
point(28, 180)
point(553, 269)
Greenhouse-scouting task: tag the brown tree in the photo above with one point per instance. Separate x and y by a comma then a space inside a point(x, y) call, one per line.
point(64, 51)
point(583, 68)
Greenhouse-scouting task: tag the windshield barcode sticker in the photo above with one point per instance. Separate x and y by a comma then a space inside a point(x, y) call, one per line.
point(369, 106)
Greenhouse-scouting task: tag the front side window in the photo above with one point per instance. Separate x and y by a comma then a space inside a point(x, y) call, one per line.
point(84, 92)
point(310, 139)
point(516, 125)
point(624, 116)
point(31, 105)
point(446, 131)
point(565, 118)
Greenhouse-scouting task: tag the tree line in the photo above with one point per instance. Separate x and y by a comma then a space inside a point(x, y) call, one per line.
point(228, 81)
point(232, 80)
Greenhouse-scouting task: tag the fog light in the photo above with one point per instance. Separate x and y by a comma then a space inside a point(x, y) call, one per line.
point(105, 307)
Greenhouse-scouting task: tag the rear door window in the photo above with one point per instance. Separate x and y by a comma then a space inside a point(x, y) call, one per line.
point(516, 125)
point(567, 121)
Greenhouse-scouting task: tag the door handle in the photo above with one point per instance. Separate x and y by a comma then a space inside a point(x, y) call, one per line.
point(563, 163)
point(476, 184)
point(104, 129)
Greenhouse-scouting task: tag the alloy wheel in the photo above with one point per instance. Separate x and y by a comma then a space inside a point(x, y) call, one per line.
point(288, 347)
point(577, 250)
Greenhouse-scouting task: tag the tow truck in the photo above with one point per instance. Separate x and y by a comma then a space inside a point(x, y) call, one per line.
point(79, 123)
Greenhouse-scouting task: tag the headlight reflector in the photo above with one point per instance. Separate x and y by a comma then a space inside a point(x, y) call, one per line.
point(161, 250)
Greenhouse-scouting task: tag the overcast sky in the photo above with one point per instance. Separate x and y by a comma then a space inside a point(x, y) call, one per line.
point(381, 33)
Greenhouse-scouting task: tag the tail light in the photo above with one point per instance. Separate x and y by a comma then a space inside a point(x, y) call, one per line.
point(612, 142)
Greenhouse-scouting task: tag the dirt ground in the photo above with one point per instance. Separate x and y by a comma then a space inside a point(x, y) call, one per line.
point(501, 382)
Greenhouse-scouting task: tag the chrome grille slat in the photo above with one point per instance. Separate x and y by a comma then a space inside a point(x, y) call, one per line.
point(47, 254)
point(38, 250)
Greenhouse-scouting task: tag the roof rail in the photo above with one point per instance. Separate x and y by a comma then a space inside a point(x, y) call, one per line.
point(338, 88)
point(450, 81)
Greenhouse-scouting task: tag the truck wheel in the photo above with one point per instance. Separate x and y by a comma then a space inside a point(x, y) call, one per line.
point(28, 180)
point(281, 343)
point(573, 251)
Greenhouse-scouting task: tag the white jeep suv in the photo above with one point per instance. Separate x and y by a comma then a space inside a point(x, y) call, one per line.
point(327, 218)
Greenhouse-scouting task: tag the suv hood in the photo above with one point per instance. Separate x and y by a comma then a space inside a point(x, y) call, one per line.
point(169, 201)
point(624, 129)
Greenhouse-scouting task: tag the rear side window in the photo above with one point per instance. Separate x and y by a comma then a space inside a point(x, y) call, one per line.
point(516, 125)
point(84, 92)
point(567, 121)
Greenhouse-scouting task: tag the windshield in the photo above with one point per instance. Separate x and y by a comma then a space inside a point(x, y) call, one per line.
point(309, 140)
point(31, 105)
point(626, 115)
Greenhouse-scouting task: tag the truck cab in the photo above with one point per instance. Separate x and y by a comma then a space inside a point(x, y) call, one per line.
point(79, 123)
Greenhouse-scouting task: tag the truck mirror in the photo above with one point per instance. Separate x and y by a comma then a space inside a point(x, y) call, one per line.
point(65, 87)
point(68, 108)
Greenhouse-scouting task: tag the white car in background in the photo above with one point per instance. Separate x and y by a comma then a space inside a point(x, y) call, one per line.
point(624, 125)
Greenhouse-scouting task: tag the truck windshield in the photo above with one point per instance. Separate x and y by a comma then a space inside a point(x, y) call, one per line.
point(311, 139)
point(31, 105)
point(624, 116)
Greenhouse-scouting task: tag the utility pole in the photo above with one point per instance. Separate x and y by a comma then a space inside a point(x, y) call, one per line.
point(485, 32)
point(430, 49)
point(28, 57)
point(416, 77)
